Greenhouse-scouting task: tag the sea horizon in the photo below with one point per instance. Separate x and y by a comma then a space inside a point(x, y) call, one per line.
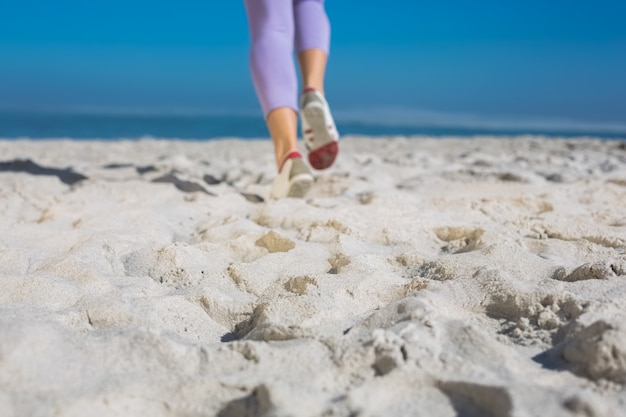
point(202, 124)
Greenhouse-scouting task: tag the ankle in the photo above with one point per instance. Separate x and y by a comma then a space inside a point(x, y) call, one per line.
point(293, 153)
point(313, 88)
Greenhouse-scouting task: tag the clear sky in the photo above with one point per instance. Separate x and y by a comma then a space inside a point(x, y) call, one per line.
point(520, 59)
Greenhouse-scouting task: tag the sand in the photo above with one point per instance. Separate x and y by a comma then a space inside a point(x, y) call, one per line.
point(420, 277)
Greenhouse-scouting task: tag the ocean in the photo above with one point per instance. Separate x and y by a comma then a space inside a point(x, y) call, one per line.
point(78, 126)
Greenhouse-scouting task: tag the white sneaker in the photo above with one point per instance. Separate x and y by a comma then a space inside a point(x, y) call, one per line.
point(294, 178)
point(318, 129)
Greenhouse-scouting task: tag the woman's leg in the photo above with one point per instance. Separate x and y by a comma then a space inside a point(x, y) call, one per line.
point(272, 28)
point(312, 45)
point(312, 41)
point(282, 124)
point(313, 68)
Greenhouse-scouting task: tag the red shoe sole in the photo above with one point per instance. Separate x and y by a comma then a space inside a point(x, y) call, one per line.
point(322, 158)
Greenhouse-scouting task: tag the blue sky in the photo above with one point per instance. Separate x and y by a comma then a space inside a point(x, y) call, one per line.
point(528, 59)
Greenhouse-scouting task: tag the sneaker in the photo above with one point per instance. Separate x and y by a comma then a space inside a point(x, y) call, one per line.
point(294, 178)
point(318, 129)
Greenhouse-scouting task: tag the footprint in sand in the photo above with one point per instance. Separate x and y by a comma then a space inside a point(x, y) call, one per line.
point(257, 403)
point(533, 317)
point(459, 239)
point(310, 230)
point(177, 265)
point(275, 242)
point(473, 399)
point(299, 285)
point(598, 270)
point(337, 262)
point(436, 270)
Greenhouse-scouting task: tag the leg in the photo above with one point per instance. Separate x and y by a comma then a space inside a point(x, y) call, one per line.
point(313, 67)
point(283, 126)
point(312, 45)
point(312, 38)
point(271, 62)
point(294, 178)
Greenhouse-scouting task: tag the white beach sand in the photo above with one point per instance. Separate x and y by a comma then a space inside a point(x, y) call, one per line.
point(421, 277)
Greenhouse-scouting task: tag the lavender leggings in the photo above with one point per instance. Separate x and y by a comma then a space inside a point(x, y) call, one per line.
point(277, 28)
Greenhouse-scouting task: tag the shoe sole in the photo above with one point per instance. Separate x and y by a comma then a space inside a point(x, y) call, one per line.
point(299, 186)
point(325, 154)
point(324, 157)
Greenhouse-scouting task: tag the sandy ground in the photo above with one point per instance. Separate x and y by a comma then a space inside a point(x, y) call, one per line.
point(420, 277)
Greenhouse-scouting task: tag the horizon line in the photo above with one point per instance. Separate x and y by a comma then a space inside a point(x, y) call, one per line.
point(389, 116)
